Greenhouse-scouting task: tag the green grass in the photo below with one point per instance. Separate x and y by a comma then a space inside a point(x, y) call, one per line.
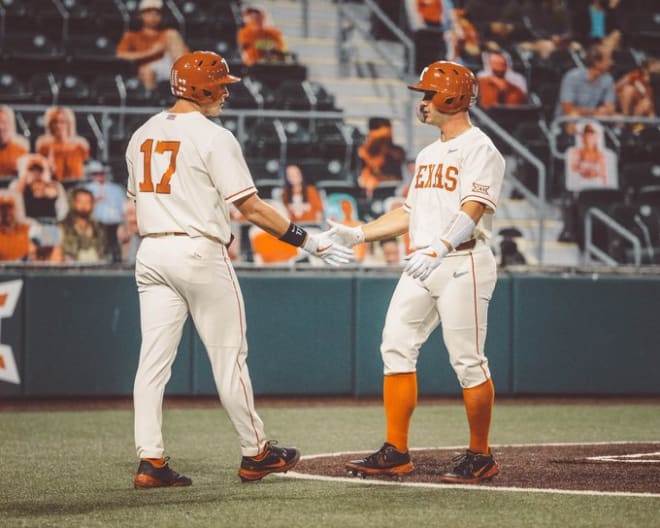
point(75, 469)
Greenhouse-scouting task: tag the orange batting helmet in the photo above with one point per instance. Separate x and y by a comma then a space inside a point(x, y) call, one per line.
point(199, 76)
point(455, 86)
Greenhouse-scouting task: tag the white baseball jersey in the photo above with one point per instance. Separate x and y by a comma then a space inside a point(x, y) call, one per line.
point(182, 171)
point(448, 174)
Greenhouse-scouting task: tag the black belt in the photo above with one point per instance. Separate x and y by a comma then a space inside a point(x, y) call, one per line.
point(467, 245)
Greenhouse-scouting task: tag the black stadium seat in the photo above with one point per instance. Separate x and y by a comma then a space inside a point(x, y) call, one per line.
point(73, 90)
point(13, 89)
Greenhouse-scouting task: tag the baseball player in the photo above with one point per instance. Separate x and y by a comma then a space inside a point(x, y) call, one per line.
point(184, 171)
point(449, 277)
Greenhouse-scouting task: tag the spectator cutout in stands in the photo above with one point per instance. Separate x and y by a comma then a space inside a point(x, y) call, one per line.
point(14, 234)
point(342, 208)
point(549, 23)
point(268, 249)
point(12, 145)
point(152, 47)
point(83, 238)
point(128, 234)
point(462, 39)
point(65, 151)
point(634, 92)
point(590, 92)
point(108, 203)
point(301, 199)
point(45, 244)
point(382, 160)
point(258, 40)
point(599, 21)
point(44, 200)
point(391, 251)
point(589, 164)
point(500, 22)
point(499, 84)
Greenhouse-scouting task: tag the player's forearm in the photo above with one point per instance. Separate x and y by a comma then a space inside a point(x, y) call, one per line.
point(266, 217)
point(391, 224)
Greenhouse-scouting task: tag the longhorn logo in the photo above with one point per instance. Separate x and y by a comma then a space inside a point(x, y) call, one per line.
point(9, 294)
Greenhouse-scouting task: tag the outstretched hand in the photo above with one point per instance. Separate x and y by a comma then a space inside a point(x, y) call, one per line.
point(324, 246)
point(345, 235)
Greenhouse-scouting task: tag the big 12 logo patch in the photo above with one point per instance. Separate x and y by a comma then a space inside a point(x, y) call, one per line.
point(9, 294)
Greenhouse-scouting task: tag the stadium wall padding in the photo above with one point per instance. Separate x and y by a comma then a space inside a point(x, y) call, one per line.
point(78, 334)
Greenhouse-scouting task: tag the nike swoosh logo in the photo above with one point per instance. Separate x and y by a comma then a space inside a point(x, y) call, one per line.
point(457, 275)
point(322, 249)
point(452, 150)
point(433, 254)
point(281, 462)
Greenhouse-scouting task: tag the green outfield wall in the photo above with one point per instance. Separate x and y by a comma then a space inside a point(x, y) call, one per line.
point(77, 333)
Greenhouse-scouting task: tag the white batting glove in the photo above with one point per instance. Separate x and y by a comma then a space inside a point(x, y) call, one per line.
point(347, 236)
point(423, 261)
point(323, 246)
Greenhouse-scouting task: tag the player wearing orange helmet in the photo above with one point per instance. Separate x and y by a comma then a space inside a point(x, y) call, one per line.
point(184, 172)
point(449, 278)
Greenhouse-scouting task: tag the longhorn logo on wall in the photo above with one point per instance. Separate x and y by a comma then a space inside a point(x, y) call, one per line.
point(9, 293)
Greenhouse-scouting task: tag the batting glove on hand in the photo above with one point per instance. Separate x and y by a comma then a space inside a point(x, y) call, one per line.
point(423, 261)
point(347, 236)
point(323, 246)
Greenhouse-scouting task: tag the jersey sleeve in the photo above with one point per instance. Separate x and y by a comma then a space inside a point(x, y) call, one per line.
point(228, 168)
point(484, 172)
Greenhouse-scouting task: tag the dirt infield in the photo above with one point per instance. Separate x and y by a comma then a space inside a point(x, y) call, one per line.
point(624, 467)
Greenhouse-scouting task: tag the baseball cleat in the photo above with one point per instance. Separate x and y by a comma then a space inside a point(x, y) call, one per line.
point(272, 459)
point(151, 476)
point(471, 468)
point(386, 461)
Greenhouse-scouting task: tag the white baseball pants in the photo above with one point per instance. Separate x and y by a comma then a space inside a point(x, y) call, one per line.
point(178, 275)
point(456, 294)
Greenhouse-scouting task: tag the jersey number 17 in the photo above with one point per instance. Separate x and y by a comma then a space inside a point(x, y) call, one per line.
point(162, 187)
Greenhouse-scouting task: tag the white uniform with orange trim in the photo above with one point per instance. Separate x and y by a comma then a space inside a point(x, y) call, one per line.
point(183, 170)
point(457, 293)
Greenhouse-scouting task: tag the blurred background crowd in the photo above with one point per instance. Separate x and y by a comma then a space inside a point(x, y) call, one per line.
point(78, 76)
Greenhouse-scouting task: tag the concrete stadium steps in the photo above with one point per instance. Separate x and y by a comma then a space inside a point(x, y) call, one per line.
point(365, 85)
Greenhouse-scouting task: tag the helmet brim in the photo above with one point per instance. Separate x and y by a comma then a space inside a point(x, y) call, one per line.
point(417, 87)
point(230, 79)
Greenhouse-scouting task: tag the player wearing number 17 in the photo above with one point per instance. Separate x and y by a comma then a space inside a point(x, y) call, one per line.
point(449, 278)
point(184, 171)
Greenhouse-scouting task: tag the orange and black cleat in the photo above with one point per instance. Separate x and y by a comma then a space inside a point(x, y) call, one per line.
point(471, 468)
point(158, 475)
point(272, 459)
point(386, 461)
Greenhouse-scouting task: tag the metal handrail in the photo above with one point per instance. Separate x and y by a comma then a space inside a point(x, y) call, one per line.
point(408, 44)
point(98, 134)
point(65, 19)
point(123, 11)
point(538, 199)
point(281, 136)
point(589, 247)
point(403, 38)
point(178, 15)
